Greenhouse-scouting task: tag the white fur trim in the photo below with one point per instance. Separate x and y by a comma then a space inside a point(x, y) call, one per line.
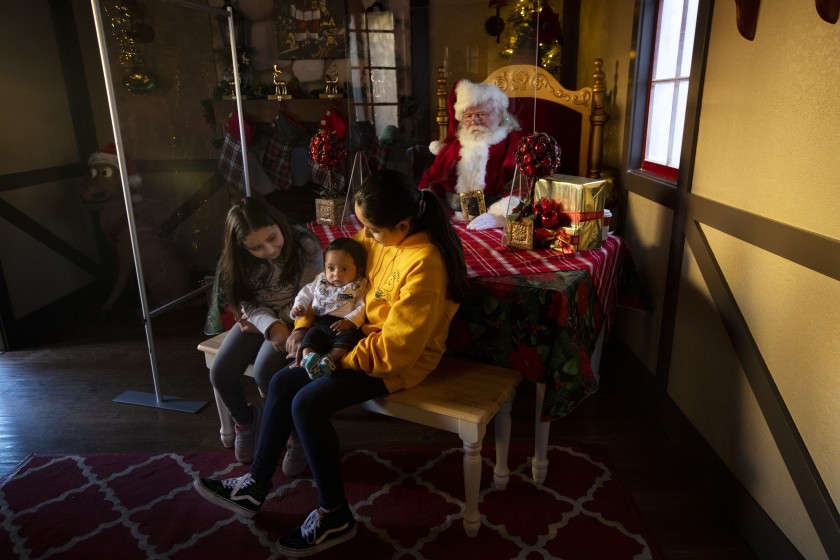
point(435, 146)
point(101, 157)
point(504, 205)
point(472, 167)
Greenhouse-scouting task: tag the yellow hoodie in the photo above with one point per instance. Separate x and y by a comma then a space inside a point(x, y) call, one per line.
point(407, 314)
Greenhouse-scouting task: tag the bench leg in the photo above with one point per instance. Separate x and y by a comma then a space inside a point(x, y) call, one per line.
point(539, 464)
point(501, 474)
point(226, 431)
point(472, 485)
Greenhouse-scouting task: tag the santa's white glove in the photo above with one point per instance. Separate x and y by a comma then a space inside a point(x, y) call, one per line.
point(495, 215)
point(486, 221)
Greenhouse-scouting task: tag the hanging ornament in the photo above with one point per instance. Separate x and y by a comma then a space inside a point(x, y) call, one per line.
point(139, 80)
point(128, 32)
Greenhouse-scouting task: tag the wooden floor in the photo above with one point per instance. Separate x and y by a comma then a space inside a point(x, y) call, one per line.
point(56, 396)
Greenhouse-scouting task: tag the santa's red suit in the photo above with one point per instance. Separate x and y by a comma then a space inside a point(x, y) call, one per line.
point(462, 164)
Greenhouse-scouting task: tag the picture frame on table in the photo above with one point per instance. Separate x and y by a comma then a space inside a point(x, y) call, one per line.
point(472, 204)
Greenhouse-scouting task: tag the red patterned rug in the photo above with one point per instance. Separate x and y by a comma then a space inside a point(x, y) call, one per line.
point(409, 504)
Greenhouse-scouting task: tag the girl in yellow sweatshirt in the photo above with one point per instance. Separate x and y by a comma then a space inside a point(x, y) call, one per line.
point(416, 280)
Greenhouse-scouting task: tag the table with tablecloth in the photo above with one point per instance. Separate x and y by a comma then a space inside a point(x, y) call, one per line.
point(538, 311)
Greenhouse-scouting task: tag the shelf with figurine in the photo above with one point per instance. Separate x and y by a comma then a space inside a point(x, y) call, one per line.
point(305, 108)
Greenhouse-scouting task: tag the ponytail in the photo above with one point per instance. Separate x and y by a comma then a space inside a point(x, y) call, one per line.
point(432, 217)
point(388, 197)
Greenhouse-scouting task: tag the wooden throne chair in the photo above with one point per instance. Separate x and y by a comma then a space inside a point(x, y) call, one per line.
point(575, 118)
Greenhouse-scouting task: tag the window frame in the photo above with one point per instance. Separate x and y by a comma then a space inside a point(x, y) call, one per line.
point(678, 106)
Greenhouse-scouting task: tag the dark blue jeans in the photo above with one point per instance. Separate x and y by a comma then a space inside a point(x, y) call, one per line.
point(295, 402)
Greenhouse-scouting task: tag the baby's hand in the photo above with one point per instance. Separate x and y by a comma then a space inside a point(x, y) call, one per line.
point(297, 312)
point(342, 325)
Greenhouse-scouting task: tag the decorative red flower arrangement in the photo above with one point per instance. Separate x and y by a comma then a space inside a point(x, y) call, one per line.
point(328, 150)
point(548, 220)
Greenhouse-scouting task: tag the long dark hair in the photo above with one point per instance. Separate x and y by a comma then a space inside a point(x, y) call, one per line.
point(388, 197)
point(246, 216)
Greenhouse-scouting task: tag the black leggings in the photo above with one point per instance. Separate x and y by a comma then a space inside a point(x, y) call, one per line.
point(321, 338)
point(296, 402)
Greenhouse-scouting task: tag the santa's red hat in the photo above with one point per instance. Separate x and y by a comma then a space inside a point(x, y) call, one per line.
point(107, 155)
point(466, 94)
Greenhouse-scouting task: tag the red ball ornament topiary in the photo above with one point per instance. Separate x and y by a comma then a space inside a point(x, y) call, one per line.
point(327, 149)
point(538, 155)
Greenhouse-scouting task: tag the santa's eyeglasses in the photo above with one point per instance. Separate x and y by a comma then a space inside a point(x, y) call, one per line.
point(479, 115)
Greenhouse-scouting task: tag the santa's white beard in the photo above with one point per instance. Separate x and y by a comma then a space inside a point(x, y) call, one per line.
point(475, 148)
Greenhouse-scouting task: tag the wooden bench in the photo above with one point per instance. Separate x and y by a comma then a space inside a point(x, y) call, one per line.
point(459, 396)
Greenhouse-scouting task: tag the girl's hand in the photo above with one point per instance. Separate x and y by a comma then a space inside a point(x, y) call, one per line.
point(293, 342)
point(247, 327)
point(278, 334)
point(342, 325)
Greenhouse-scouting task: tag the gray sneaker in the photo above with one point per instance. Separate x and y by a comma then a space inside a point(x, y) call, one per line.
point(295, 460)
point(246, 437)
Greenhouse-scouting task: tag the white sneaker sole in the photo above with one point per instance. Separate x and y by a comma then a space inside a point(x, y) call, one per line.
point(295, 553)
point(219, 501)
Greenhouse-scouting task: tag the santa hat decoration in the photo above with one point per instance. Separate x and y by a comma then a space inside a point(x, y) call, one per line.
point(232, 129)
point(332, 120)
point(466, 94)
point(107, 155)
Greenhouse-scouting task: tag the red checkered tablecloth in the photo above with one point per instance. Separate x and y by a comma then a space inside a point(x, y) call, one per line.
point(487, 256)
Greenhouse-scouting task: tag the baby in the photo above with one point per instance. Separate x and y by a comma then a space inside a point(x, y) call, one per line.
point(336, 297)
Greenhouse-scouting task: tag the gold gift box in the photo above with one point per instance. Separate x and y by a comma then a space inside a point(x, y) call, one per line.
point(583, 201)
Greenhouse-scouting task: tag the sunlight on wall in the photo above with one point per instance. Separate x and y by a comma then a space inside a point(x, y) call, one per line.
point(762, 148)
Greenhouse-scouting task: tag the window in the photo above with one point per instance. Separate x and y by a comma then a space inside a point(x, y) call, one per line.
point(668, 92)
point(373, 66)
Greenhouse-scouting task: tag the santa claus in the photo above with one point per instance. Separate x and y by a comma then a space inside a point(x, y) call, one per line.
point(480, 151)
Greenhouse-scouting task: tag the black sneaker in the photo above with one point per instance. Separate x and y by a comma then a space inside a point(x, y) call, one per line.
point(242, 495)
point(320, 531)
